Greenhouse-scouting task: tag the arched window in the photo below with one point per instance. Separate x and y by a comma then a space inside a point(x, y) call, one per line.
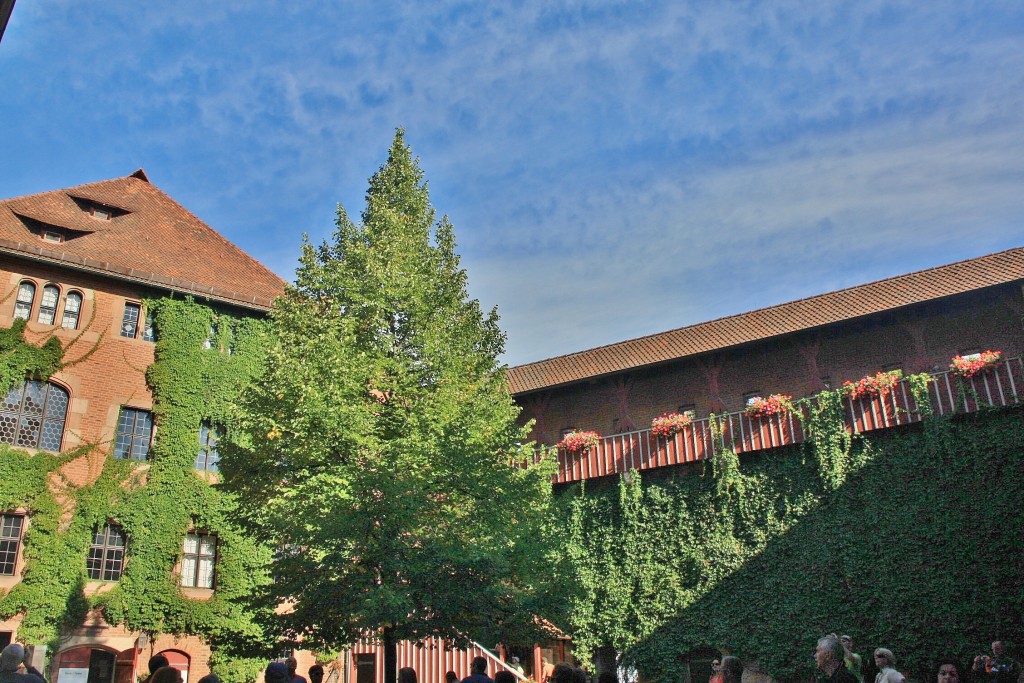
point(33, 415)
point(48, 304)
point(23, 302)
point(72, 309)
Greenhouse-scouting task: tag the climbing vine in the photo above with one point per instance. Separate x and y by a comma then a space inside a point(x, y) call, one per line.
point(203, 359)
point(869, 534)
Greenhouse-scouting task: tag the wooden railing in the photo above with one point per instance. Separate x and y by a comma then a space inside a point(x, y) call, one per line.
point(1001, 386)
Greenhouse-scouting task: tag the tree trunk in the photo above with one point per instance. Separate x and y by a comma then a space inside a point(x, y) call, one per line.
point(390, 656)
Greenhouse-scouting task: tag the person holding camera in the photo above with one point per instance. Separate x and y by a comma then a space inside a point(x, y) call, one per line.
point(999, 668)
point(12, 657)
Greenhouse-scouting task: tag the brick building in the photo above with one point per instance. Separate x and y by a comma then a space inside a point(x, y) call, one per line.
point(79, 265)
point(915, 322)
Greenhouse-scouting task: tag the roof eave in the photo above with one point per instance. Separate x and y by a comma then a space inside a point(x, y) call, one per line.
point(48, 256)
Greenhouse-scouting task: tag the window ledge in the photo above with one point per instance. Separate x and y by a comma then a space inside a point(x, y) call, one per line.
point(202, 594)
point(94, 587)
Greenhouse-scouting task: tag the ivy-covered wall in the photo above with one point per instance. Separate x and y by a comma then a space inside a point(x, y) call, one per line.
point(911, 539)
point(156, 502)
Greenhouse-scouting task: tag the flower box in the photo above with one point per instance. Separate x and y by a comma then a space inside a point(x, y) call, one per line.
point(972, 364)
point(578, 441)
point(776, 404)
point(669, 424)
point(870, 386)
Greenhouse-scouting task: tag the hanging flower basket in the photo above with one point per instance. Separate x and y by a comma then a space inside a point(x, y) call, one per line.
point(970, 365)
point(669, 424)
point(776, 404)
point(578, 442)
point(870, 386)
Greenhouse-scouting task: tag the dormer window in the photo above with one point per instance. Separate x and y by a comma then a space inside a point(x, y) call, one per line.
point(101, 212)
point(53, 236)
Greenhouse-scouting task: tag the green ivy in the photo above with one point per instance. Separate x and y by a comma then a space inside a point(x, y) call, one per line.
point(20, 359)
point(156, 502)
point(907, 538)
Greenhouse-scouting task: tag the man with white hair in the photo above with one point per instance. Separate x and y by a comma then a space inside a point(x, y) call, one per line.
point(829, 656)
point(12, 657)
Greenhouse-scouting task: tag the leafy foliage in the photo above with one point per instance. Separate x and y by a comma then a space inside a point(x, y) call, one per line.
point(382, 435)
point(877, 536)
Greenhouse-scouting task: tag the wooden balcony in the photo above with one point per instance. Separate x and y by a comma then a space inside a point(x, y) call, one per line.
point(1001, 386)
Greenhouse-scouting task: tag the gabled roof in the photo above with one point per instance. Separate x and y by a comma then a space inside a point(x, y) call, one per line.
point(150, 239)
point(845, 304)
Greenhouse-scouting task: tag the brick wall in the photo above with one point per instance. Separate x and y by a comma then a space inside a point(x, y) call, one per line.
point(112, 375)
point(915, 339)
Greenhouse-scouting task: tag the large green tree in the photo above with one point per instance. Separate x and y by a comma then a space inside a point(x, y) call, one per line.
point(385, 455)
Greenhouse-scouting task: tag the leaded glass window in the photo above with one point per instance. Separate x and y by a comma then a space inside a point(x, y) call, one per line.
point(130, 320)
point(106, 554)
point(23, 302)
point(33, 415)
point(134, 434)
point(72, 309)
point(48, 305)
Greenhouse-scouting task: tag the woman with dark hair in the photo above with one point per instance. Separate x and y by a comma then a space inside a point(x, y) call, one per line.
point(406, 675)
point(504, 676)
point(947, 671)
point(563, 673)
point(167, 674)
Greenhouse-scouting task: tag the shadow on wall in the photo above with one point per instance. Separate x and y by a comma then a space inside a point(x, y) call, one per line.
point(921, 551)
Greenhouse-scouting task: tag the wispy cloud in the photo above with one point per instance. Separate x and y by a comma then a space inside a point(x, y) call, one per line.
point(612, 168)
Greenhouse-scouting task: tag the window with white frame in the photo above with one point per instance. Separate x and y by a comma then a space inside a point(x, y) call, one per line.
point(198, 558)
point(23, 301)
point(72, 311)
point(208, 459)
point(48, 305)
point(10, 542)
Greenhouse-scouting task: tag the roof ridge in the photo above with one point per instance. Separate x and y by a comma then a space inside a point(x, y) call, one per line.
point(767, 308)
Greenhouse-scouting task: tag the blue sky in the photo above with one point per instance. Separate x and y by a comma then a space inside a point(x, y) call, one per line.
point(612, 169)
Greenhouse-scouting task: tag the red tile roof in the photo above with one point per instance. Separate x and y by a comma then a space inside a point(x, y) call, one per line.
point(845, 304)
point(150, 239)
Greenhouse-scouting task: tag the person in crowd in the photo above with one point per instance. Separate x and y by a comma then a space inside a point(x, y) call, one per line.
point(547, 669)
point(451, 677)
point(947, 671)
point(514, 664)
point(210, 678)
point(505, 676)
point(277, 672)
point(716, 671)
point(885, 660)
point(478, 672)
point(12, 657)
point(732, 670)
point(155, 663)
point(579, 675)
point(563, 673)
point(406, 675)
point(316, 673)
point(167, 674)
point(852, 660)
point(999, 668)
point(607, 677)
point(292, 665)
point(829, 656)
